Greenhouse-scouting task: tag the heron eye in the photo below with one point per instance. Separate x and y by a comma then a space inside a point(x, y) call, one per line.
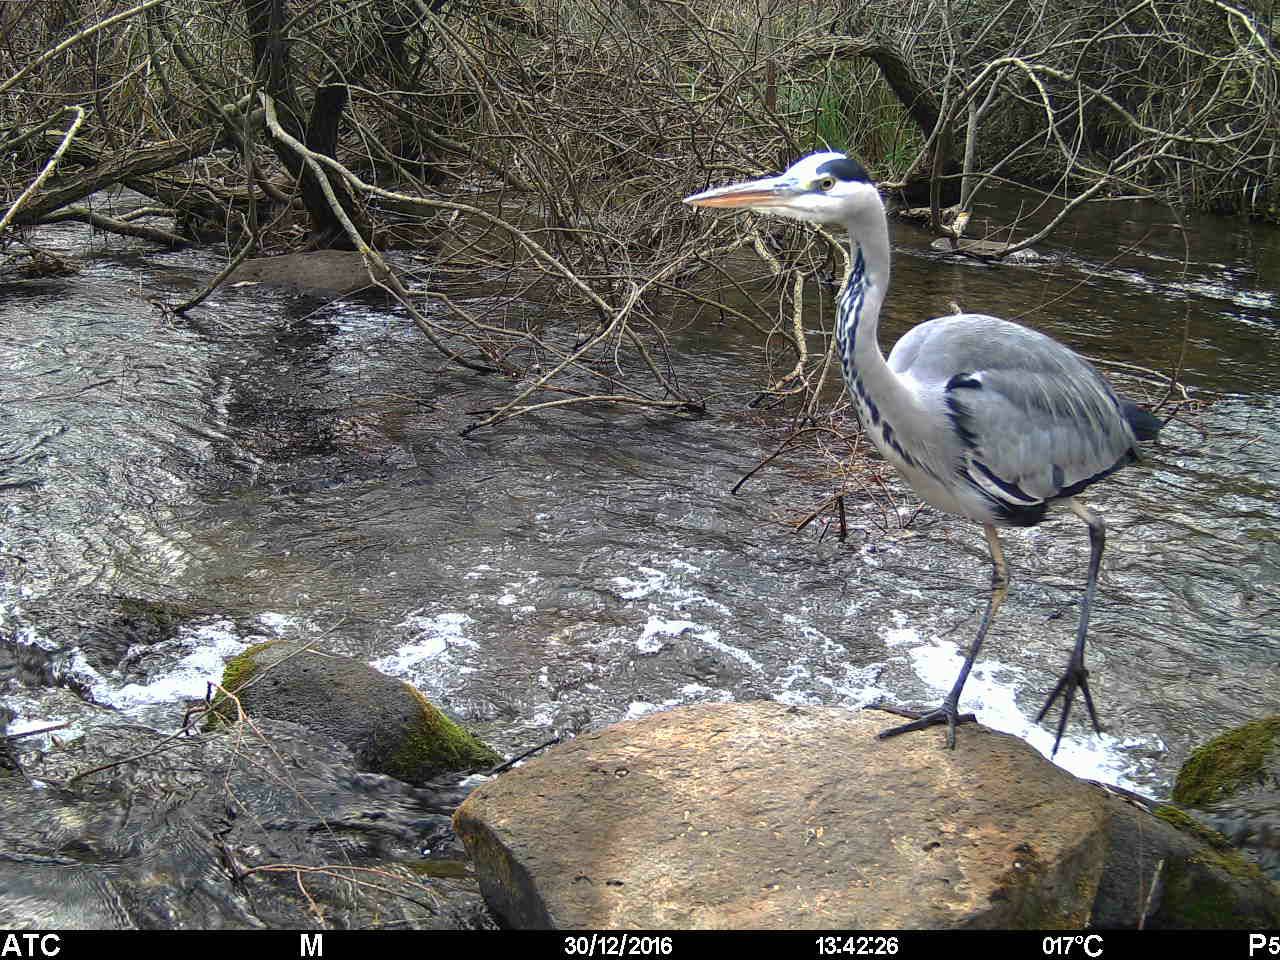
point(826, 183)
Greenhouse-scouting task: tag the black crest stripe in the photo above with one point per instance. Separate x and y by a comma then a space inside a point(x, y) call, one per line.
point(846, 168)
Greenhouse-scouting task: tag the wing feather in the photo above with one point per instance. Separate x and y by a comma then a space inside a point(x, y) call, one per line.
point(1033, 420)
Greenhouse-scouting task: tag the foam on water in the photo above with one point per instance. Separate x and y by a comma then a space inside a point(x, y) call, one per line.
point(638, 589)
point(989, 692)
point(200, 653)
point(173, 672)
point(668, 596)
point(712, 639)
point(661, 627)
point(425, 658)
point(817, 670)
point(640, 708)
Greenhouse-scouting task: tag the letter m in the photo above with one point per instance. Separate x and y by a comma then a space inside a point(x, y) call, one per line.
point(311, 946)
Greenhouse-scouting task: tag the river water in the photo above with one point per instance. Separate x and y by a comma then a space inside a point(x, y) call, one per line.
point(274, 466)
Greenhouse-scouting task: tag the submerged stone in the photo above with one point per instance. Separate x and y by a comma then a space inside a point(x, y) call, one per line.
point(265, 827)
point(323, 272)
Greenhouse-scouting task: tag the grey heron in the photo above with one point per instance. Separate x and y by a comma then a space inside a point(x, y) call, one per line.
point(984, 418)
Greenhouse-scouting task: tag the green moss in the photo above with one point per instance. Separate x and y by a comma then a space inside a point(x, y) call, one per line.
point(1188, 824)
point(1225, 763)
point(1203, 899)
point(1221, 854)
point(1230, 861)
point(1215, 888)
point(437, 743)
point(235, 674)
point(428, 745)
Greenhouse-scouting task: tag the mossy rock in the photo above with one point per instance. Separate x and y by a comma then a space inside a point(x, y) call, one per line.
point(1165, 870)
point(389, 726)
point(1181, 820)
point(236, 673)
point(1224, 765)
point(1218, 891)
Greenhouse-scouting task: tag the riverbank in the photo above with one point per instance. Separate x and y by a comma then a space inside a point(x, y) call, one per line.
point(278, 467)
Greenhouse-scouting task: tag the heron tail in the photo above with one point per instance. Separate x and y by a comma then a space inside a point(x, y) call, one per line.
point(1144, 424)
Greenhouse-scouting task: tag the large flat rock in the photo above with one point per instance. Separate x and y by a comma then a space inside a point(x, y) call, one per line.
point(321, 272)
point(760, 815)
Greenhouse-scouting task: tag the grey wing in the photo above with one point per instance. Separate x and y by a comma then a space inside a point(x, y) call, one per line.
point(1032, 421)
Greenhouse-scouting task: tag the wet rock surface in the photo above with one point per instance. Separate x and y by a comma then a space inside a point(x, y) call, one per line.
point(387, 724)
point(765, 816)
point(262, 826)
point(1232, 785)
point(316, 272)
point(1165, 871)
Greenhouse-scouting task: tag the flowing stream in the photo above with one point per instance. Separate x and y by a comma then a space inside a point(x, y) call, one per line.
point(278, 467)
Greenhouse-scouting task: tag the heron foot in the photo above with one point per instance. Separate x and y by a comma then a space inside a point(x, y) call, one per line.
point(949, 713)
point(1075, 677)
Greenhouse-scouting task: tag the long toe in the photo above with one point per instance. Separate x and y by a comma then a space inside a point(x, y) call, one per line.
point(921, 719)
point(1075, 678)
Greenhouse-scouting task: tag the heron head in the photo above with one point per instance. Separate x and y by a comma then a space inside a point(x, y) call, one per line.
point(825, 187)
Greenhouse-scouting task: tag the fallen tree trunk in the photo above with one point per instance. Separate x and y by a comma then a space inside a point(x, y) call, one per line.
point(921, 104)
point(918, 100)
point(108, 171)
point(115, 225)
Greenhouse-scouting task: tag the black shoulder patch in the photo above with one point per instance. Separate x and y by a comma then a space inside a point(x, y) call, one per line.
point(846, 168)
point(1144, 425)
point(964, 381)
point(1022, 511)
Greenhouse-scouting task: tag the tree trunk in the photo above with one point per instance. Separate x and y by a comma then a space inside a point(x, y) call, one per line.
point(382, 55)
point(267, 21)
point(916, 98)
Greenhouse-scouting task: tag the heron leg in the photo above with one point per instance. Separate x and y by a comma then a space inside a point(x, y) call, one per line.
point(949, 712)
point(1076, 676)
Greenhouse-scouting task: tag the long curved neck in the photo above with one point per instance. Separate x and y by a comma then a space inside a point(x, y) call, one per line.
point(873, 385)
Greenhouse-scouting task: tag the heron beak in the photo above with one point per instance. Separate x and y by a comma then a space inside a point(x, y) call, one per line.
point(766, 192)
